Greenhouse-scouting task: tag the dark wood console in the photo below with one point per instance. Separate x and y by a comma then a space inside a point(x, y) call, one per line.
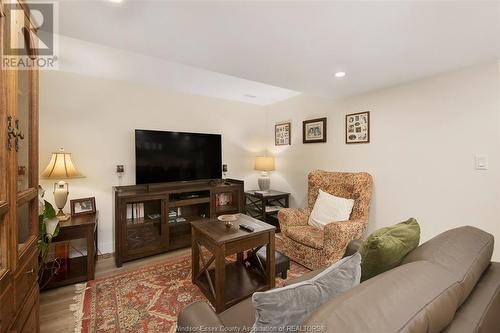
point(156, 218)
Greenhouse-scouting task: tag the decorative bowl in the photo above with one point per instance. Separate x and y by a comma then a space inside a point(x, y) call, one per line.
point(228, 219)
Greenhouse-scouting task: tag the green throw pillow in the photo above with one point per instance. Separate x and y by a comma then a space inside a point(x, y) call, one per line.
point(386, 248)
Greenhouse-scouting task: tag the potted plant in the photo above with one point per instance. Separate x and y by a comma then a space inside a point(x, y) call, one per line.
point(48, 228)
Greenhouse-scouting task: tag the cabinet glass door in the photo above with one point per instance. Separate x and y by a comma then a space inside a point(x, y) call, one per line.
point(144, 225)
point(4, 160)
point(22, 125)
point(23, 114)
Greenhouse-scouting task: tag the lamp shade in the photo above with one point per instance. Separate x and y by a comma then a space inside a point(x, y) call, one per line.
point(61, 166)
point(264, 163)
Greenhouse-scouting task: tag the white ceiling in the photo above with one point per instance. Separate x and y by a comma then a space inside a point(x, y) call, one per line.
point(77, 56)
point(298, 45)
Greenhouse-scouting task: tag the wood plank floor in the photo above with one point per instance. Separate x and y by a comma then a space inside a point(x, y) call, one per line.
point(55, 314)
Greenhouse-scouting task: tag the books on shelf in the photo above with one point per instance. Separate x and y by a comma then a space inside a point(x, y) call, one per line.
point(271, 209)
point(135, 211)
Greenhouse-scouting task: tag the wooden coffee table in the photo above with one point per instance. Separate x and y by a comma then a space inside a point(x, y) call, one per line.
point(230, 282)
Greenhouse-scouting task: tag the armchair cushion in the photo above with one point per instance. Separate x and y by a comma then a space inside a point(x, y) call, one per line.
point(307, 235)
point(328, 208)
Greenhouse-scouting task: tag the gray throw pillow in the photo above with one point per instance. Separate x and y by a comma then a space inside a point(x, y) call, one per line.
point(290, 306)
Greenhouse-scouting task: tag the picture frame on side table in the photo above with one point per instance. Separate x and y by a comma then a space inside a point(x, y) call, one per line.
point(282, 134)
point(82, 206)
point(314, 130)
point(357, 127)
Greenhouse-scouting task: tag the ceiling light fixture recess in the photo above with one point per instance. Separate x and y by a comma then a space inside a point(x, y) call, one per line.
point(117, 1)
point(340, 74)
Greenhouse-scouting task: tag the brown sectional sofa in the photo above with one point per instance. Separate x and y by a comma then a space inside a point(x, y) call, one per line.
point(447, 284)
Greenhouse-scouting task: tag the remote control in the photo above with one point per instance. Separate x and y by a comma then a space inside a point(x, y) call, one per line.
point(246, 227)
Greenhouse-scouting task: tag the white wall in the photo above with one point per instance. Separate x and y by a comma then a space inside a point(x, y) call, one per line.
point(95, 118)
point(424, 136)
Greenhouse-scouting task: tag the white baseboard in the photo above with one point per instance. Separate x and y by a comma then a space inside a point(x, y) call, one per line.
point(106, 248)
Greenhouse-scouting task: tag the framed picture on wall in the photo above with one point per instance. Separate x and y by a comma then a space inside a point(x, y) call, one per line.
point(314, 130)
point(357, 127)
point(82, 206)
point(282, 134)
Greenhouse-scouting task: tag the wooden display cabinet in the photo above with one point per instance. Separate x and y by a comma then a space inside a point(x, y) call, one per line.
point(19, 178)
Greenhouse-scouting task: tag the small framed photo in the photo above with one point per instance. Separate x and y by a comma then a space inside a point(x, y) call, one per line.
point(82, 206)
point(314, 130)
point(357, 127)
point(282, 134)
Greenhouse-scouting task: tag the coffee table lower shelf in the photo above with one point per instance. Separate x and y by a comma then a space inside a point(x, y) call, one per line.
point(240, 283)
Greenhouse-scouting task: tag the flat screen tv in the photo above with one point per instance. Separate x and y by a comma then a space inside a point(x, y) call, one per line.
point(175, 156)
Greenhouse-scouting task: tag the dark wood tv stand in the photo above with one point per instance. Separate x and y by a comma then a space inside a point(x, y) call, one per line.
point(156, 218)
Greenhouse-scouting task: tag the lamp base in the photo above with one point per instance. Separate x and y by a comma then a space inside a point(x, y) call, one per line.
point(62, 216)
point(264, 182)
point(61, 192)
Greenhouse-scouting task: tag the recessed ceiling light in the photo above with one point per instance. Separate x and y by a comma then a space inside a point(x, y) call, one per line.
point(117, 1)
point(340, 74)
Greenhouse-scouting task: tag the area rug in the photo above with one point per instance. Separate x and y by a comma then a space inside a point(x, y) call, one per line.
point(144, 300)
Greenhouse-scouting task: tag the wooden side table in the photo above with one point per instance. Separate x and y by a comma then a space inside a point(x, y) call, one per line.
point(80, 268)
point(265, 206)
point(228, 283)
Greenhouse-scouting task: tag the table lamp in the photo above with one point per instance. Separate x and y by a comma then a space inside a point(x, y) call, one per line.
point(264, 164)
point(61, 167)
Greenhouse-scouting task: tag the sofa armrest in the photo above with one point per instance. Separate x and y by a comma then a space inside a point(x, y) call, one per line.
point(199, 316)
point(293, 217)
point(339, 234)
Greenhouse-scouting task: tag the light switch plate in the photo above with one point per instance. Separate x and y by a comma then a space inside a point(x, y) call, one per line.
point(481, 162)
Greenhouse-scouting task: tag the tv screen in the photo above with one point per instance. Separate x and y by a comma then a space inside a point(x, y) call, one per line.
point(175, 156)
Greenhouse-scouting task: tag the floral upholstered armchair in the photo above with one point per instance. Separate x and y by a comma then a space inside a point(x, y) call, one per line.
point(316, 248)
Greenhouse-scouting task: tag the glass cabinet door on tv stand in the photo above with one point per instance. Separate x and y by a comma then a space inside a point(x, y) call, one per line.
point(144, 227)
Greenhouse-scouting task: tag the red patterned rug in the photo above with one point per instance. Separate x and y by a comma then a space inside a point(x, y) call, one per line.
point(144, 300)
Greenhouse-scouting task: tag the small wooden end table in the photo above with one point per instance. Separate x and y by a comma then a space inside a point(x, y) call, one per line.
point(79, 268)
point(265, 206)
point(228, 283)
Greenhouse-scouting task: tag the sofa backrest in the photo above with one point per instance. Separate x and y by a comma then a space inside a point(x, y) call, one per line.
point(421, 295)
point(356, 186)
point(465, 252)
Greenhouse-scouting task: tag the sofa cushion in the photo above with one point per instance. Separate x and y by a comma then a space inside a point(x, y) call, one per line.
point(241, 315)
point(385, 248)
point(480, 312)
point(465, 252)
point(293, 304)
point(421, 295)
point(409, 298)
point(307, 235)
